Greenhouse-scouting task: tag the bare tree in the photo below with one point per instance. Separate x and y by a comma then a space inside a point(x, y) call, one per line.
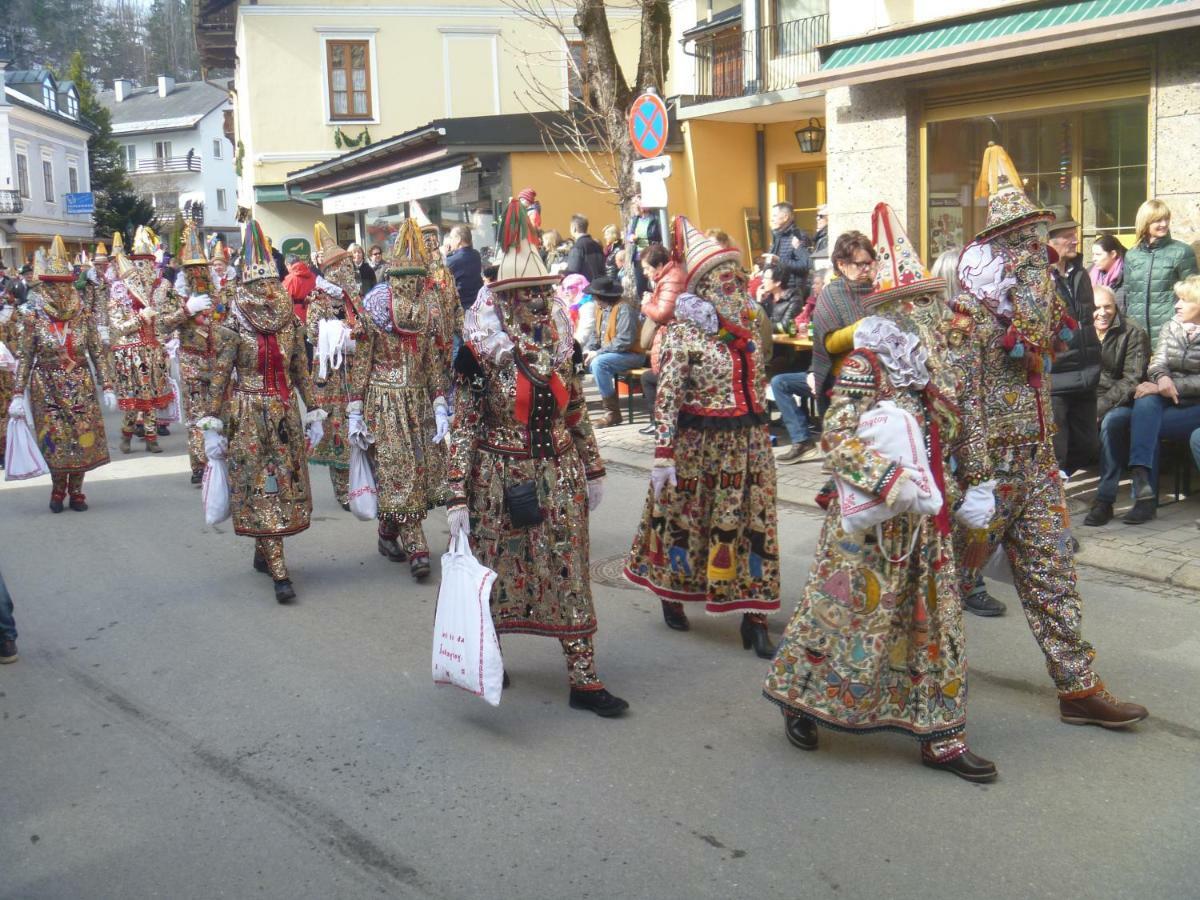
point(591, 134)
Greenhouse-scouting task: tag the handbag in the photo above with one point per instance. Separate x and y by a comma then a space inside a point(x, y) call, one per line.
point(466, 651)
point(521, 501)
point(22, 458)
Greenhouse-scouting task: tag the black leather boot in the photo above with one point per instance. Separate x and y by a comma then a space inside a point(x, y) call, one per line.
point(284, 592)
point(1145, 505)
point(1101, 513)
point(674, 615)
point(601, 702)
point(801, 732)
point(754, 634)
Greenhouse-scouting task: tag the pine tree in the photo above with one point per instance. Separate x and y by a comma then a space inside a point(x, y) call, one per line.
point(118, 208)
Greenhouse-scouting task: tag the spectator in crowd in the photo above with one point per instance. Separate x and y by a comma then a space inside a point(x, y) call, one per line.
point(1167, 403)
point(614, 347)
point(780, 302)
point(792, 392)
point(839, 307)
point(554, 251)
point(587, 256)
point(20, 287)
point(378, 266)
point(667, 276)
point(612, 246)
point(465, 264)
point(168, 271)
point(1152, 267)
point(644, 230)
point(8, 627)
point(1108, 266)
point(363, 272)
point(490, 273)
point(819, 278)
point(790, 247)
point(821, 236)
point(277, 258)
point(574, 294)
point(1124, 352)
point(1075, 372)
point(945, 267)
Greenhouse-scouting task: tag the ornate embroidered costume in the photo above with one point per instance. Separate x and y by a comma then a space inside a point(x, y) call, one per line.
point(398, 391)
point(524, 465)
point(711, 537)
point(58, 341)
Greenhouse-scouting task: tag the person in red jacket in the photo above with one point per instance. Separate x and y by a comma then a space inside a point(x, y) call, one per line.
point(664, 271)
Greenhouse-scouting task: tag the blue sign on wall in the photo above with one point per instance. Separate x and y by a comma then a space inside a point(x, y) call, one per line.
point(80, 203)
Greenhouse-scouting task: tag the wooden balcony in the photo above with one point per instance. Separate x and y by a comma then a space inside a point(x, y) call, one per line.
point(167, 165)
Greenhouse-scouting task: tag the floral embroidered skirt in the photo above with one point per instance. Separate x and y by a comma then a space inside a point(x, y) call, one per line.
point(268, 469)
point(143, 379)
point(544, 584)
point(875, 644)
point(409, 475)
point(714, 537)
point(67, 422)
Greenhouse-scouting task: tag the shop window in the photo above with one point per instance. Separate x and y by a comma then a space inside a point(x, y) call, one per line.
point(349, 79)
point(1114, 169)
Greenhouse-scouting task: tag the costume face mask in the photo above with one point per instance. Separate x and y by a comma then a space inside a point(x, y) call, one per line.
point(726, 288)
point(59, 299)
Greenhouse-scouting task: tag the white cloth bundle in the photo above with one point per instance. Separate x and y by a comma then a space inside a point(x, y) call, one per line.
point(466, 652)
point(7, 360)
point(22, 458)
point(333, 337)
point(364, 495)
point(216, 478)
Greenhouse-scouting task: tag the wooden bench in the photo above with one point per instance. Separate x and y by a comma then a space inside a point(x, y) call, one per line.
point(632, 379)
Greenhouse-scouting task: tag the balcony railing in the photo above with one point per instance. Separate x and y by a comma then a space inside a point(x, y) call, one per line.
point(167, 164)
point(736, 63)
point(10, 203)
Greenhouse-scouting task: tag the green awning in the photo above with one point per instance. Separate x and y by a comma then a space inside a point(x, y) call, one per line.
point(1005, 25)
point(279, 193)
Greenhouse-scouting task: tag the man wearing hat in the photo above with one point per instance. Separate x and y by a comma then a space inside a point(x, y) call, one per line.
point(614, 347)
point(1075, 374)
point(20, 287)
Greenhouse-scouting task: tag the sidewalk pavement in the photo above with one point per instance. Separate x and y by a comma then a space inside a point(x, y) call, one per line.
point(1165, 550)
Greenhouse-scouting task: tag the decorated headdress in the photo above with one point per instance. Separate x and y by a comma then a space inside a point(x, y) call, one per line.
point(257, 262)
point(700, 253)
point(1009, 207)
point(521, 265)
point(101, 254)
point(417, 211)
point(900, 272)
point(191, 246)
point(331, 253)
point(54, 265)
point(118, 244)
point(218, 249)
point(145, 241)
point(408, 251)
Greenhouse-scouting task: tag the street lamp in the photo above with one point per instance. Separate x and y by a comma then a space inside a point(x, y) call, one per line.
point(811, 137)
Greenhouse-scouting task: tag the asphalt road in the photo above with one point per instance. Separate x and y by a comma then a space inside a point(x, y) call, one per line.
point(171, 732)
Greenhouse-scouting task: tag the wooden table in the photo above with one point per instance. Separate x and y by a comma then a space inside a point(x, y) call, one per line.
point(795, 343)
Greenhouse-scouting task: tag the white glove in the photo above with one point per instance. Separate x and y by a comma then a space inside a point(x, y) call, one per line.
point(198, 303)
point(215, 445)
point(442, 417)
point(110, 400)
point(595, 489)
point(314, 432)
point(660, 477)
point(904, 494)
point(459, 520)
point(329, 288)
point(16, 409)
point(6, 313)
point(210, 423)
point(978, 505)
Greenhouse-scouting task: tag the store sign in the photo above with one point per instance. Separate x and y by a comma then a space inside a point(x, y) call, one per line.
point(431, 184)
point(80, 204)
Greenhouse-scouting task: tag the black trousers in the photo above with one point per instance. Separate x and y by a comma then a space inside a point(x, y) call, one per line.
point(650, 388)
point(1077, 443)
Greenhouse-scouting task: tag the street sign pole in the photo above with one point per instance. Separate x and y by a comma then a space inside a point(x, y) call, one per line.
point(648, 132)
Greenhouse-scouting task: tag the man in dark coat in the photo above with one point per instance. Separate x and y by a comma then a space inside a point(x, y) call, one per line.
point(1075, 372)
point(790, 247)
point(465, 264)
point(587, 256)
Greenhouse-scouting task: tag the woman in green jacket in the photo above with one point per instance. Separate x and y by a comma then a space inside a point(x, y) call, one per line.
point(1152, 267)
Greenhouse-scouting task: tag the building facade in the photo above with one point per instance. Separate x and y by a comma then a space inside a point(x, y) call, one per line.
point(176, 150)
point(45, 159)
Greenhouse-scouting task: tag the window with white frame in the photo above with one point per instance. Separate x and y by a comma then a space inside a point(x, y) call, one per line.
point(130, 157)
point(48, 179)
point(49, 96)
point(349, 65)
point(162, 149)
point(73, 179)
point(216, 148)
point(72, 105)
point(222, 204)
point(23, 176)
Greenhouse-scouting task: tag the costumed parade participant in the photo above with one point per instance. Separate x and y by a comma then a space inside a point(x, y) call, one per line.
point(398, 400)
point(95, 291)
point(331, 322)
point(876, 642)
point(1013, 319)
point(57, 343)
point(451, 318)
point(10, 339)
point(194, 319)
point(524, 467)
point(135, 298)
point(709, 531)
point(260, 354)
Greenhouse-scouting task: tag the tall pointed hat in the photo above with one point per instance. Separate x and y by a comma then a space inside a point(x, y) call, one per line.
point(145, 241)
point(54, 265)
point(331, 253)
point(900, 272)
point(118, 244)
point(521, 265)
point(257, 262)
point(1009, 207)
point(408, 251)
point(101, 254)
point(417, 211)
point(700, 253)
point(191, 246)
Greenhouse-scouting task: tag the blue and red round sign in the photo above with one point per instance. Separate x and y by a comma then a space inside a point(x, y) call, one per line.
point(648, 125)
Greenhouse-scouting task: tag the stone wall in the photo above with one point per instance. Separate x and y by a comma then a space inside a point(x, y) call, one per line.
point(1175, 125)
point(872, 155)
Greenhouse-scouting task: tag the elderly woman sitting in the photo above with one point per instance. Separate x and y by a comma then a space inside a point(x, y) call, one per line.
point(1124, 349)
point(1167, 404)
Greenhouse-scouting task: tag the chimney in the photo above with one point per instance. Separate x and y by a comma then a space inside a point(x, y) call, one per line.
point(122, 87)
point(166, 84)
